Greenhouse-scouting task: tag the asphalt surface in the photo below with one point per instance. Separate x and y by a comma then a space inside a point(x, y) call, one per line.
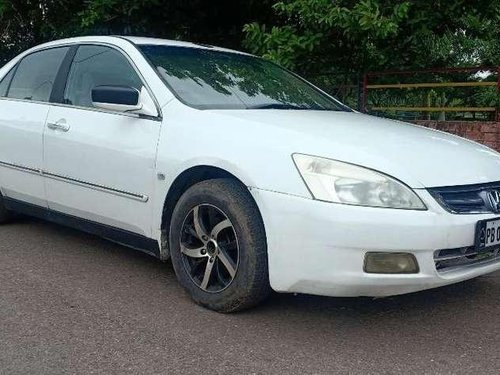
point(71, 303)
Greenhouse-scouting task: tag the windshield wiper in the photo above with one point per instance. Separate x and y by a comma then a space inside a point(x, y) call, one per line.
point(288, 106)
point(278, 106)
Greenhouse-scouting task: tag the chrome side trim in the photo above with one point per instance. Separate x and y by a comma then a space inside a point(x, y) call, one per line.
point(105, 189)
point(122, 193)
point(20, 168)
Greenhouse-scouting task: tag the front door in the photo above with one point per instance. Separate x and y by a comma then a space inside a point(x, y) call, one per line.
point(100, 165)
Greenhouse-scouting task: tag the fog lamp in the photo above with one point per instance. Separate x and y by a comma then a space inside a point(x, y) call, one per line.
point(376, 262)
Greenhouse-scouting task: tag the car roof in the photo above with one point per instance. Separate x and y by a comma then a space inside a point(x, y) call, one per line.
point(135, 40)
point(177, 43)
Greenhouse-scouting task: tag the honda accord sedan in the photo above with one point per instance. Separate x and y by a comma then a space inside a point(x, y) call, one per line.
point(246, 176)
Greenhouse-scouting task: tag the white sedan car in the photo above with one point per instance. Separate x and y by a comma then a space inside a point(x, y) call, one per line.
point(245, 175)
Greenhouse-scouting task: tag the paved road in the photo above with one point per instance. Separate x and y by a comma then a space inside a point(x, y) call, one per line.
point(73, 303)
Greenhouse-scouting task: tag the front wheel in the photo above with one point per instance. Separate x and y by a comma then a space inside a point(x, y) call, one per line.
point(218, 246)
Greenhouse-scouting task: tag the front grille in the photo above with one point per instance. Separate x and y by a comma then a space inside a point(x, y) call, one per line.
point(452, 259)
point(467, 199)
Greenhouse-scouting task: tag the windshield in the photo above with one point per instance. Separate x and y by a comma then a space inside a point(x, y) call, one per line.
point(211, 79)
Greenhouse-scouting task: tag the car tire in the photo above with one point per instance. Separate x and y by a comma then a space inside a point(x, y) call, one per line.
point(218, 246)
point(5, 215)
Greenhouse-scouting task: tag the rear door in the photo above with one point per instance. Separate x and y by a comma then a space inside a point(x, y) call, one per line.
point(100, 165)
point(24, 94)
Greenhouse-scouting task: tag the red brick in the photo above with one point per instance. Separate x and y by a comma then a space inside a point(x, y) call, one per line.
point(487, 133)
point(470, 127)
point(489, 128)
point(474, 134)
point(490, 137)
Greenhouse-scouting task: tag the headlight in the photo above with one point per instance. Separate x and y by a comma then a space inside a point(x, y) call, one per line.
point(335, 181)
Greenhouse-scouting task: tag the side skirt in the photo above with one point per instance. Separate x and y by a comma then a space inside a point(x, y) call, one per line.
point(123, 237)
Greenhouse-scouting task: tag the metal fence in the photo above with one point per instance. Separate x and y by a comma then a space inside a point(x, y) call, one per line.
point(471, 93)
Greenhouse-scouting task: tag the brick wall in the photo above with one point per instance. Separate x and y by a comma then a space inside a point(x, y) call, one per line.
point(487, 133)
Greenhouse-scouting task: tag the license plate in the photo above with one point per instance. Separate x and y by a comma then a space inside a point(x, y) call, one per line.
point(487, 233)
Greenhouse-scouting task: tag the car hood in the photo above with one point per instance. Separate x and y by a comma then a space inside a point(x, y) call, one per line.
point(418, 156)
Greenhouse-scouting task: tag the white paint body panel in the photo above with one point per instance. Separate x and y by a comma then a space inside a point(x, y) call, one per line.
point(418, 156)
point(112, 151)
point(319, 248)
point(313, 247)
point(21, 129)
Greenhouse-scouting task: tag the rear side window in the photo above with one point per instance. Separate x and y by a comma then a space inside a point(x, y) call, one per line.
point(97, 66)
point(4, 84)
point(36, 74)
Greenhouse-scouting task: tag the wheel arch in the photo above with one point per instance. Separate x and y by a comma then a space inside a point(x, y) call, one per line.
point(181, 183)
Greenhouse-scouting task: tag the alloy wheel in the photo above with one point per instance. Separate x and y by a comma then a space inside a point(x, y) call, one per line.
point(209, 248)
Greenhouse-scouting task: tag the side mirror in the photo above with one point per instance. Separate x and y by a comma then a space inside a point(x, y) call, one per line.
point(116, 98)
point(124, 99)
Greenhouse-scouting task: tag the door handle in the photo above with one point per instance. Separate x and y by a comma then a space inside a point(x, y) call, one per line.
point(59, 125)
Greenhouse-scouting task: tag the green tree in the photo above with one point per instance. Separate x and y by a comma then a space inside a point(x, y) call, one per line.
point(314, 36)
point(24, 23)
point(217, 22)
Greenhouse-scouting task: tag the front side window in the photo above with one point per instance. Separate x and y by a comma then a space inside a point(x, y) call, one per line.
point(35, 75)
point(97, 66)
point(211, 79)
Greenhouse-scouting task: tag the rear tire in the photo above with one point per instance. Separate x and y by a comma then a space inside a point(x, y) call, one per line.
point(5, 215)
point(218, 246)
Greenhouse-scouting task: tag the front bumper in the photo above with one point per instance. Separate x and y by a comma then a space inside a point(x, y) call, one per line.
point(318, 248)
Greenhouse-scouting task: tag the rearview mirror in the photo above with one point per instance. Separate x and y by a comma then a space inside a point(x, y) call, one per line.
point(116, 98)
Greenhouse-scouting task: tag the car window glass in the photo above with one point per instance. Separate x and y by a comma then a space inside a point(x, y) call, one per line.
point(97, 66)
point(213, 79)
point(36, 74)
point(4, 84)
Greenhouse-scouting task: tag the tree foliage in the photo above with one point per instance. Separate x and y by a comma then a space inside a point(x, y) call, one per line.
point(307, 35)
point(359, 35)
point(24, 23)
